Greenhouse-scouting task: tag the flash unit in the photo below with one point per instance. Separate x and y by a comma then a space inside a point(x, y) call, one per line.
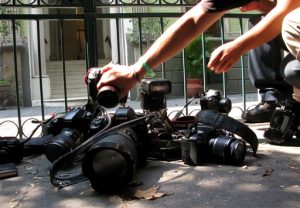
point(153, 93)
point(158, 85)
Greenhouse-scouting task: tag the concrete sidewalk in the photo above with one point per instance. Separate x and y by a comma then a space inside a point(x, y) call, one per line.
point(271, 179)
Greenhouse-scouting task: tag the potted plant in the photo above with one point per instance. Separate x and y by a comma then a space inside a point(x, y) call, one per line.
point(194, 67)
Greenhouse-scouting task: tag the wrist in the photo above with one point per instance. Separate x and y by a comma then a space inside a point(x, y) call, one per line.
point(144, 66)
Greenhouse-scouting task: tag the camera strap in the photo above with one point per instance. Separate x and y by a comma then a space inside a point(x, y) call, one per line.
point(229, 124)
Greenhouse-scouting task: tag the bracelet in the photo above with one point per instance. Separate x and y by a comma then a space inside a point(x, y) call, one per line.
point(149, 72)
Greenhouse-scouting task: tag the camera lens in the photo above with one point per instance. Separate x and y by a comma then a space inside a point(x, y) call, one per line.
point(228, 150)
point(108, 96)
point(115, 167)
point(63, 143)
point(110, 163)
point(225, 105)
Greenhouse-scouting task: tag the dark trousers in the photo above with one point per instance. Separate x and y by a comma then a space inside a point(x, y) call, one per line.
point(264, 65)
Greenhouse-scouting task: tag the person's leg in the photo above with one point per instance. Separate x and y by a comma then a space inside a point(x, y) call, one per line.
point(291, 37)
point(264, 73)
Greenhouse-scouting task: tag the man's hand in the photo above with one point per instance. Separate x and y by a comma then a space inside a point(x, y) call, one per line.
point(263, 6)
point(119, 76)
point(224, 57)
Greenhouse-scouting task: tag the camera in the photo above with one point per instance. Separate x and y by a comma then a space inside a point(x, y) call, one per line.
point(70, 130)
point(206, 143)
point(110, 157)
point(284, 124)
point(213, 100)
point(110, 163)
point(12, 150)
point(107, 96)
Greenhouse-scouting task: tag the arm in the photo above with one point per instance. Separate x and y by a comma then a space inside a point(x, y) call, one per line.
point(263, 6)
point(224, 57)
point(174, 39)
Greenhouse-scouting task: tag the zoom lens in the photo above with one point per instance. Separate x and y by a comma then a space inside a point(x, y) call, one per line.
point(110, 163)
point(228, 150)
point(62, 143)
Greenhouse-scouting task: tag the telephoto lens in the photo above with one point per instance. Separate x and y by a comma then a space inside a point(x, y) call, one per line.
point(227, 150)
point(110, 163)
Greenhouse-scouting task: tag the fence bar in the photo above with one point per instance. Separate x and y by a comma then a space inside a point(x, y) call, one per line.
point(62, 49)
point(40, 69)
point(242, 69)
point(20, 131)
point(163, 72)
point(223, 40)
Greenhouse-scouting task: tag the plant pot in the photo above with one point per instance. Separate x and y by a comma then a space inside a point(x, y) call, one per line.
point(194, 87)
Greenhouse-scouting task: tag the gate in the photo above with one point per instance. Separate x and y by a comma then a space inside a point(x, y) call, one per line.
point(40, 37)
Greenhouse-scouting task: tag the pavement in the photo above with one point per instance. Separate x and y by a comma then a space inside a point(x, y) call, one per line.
point(270, 179)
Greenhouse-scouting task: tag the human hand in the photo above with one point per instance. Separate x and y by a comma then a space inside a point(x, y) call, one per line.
point(254, 5)
point(224, 57)
point(263, 6)
point(119, 76)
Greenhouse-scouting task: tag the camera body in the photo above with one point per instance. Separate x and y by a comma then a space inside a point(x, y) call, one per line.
point(205, 143)
point(70, 130)
point(11, 150)
point(284, 124)
point(107, 96)
point(213, 100)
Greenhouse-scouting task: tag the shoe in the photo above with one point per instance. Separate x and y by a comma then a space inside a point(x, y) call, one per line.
point(261, 113)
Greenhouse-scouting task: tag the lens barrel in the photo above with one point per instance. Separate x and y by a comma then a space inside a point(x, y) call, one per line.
point(63, 143)
point(110, 163)
point(108, 96)
point(228, 150)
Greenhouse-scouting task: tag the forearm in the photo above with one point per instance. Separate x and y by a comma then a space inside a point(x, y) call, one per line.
point(179, 35)
point(268, 28)
point(267, 6)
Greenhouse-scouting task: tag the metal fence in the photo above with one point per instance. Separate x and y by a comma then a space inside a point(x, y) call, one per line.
point(88, 12)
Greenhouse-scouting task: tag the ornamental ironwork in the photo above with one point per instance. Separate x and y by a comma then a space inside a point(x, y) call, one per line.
point(97, 3)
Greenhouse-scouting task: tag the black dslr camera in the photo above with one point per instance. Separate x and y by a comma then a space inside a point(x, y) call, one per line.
point(206, 143)
point(284, 124)
point(70, 130)
point(107, 96)
point(110, 163)
point(213, 100)
point(12, 149)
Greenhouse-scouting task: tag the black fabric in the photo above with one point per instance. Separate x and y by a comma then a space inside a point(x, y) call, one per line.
point(221, 5)
point(265, 68)
point(229, 124)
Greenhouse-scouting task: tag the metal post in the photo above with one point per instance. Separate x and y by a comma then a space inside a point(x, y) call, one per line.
point(90, 32)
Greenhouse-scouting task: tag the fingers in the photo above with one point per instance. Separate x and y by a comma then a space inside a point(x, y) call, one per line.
point(219, 64)
point(107, 68)
point(214, 59)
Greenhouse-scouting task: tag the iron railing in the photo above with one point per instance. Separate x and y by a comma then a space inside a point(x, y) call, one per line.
point(90, 14)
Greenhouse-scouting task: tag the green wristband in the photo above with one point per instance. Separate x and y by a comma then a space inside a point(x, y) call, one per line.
point(149, 72)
